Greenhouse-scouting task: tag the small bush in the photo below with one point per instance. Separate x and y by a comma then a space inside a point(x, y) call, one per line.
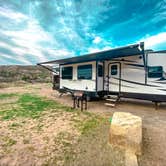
point(26, 78)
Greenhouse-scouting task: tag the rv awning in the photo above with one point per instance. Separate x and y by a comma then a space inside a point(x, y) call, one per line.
point(136, 49)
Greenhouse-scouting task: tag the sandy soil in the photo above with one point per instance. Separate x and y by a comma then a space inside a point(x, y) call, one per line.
point(154, 124)
point(36, 142)
point(154, 121)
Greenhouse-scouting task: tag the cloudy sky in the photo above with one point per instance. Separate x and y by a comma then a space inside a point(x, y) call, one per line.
point(33, 31)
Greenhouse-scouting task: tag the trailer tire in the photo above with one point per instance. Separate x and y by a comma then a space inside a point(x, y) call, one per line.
point(88, 98)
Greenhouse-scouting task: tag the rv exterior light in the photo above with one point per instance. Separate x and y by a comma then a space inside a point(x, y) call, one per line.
point(139, 48)
point(142, 45)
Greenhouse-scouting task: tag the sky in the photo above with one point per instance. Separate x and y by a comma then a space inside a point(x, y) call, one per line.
point(33, 31)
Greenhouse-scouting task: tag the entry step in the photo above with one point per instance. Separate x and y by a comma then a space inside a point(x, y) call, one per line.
point(112, 99)
point(110, 104)
point(112, 96)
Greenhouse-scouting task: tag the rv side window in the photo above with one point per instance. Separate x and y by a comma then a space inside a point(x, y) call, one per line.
point(84, 72)
point(67, 72)
point(100, 70)
point(56, 69)
point(155, 71)
point(114, 70)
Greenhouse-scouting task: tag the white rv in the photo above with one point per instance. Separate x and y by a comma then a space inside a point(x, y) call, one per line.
point(128, 72)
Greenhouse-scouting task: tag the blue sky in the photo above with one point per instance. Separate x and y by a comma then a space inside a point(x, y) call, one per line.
point(33, 31)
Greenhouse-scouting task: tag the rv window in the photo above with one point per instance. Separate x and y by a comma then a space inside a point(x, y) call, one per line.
point(100, 70)
point(67, 72)
point(56, 69)
point(155, 71)
point(84, 72)
point(114, 70)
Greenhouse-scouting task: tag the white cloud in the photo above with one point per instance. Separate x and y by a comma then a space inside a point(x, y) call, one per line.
point(27, 40)
point(21, 52)
point(92, 49)
point(153, 41)
point(5, 45)
point(20, 59)
point(12, 15)
point(29, 36)
point(97, 40)
point(62, 52)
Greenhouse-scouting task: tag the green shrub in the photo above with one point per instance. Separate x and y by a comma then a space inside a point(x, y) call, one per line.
point(26, 78)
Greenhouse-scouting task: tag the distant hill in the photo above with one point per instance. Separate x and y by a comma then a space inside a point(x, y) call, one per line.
point(24, 73)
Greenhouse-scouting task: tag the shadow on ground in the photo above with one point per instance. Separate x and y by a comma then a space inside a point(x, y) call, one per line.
point(94, 149)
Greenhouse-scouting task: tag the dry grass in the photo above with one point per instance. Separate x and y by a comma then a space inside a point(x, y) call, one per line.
point(59, 137)
point(38, 131)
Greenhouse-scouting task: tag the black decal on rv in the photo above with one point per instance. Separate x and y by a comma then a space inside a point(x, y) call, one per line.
point(136, 82)
point(136, 65)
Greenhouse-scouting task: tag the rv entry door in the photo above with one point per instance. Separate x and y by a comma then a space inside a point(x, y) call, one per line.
point(114, 77)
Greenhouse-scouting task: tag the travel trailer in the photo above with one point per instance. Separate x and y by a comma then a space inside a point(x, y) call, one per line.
point(129, 72)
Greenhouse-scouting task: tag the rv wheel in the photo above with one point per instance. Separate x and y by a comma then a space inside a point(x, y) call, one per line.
point(101, 95)
point(88, 98)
